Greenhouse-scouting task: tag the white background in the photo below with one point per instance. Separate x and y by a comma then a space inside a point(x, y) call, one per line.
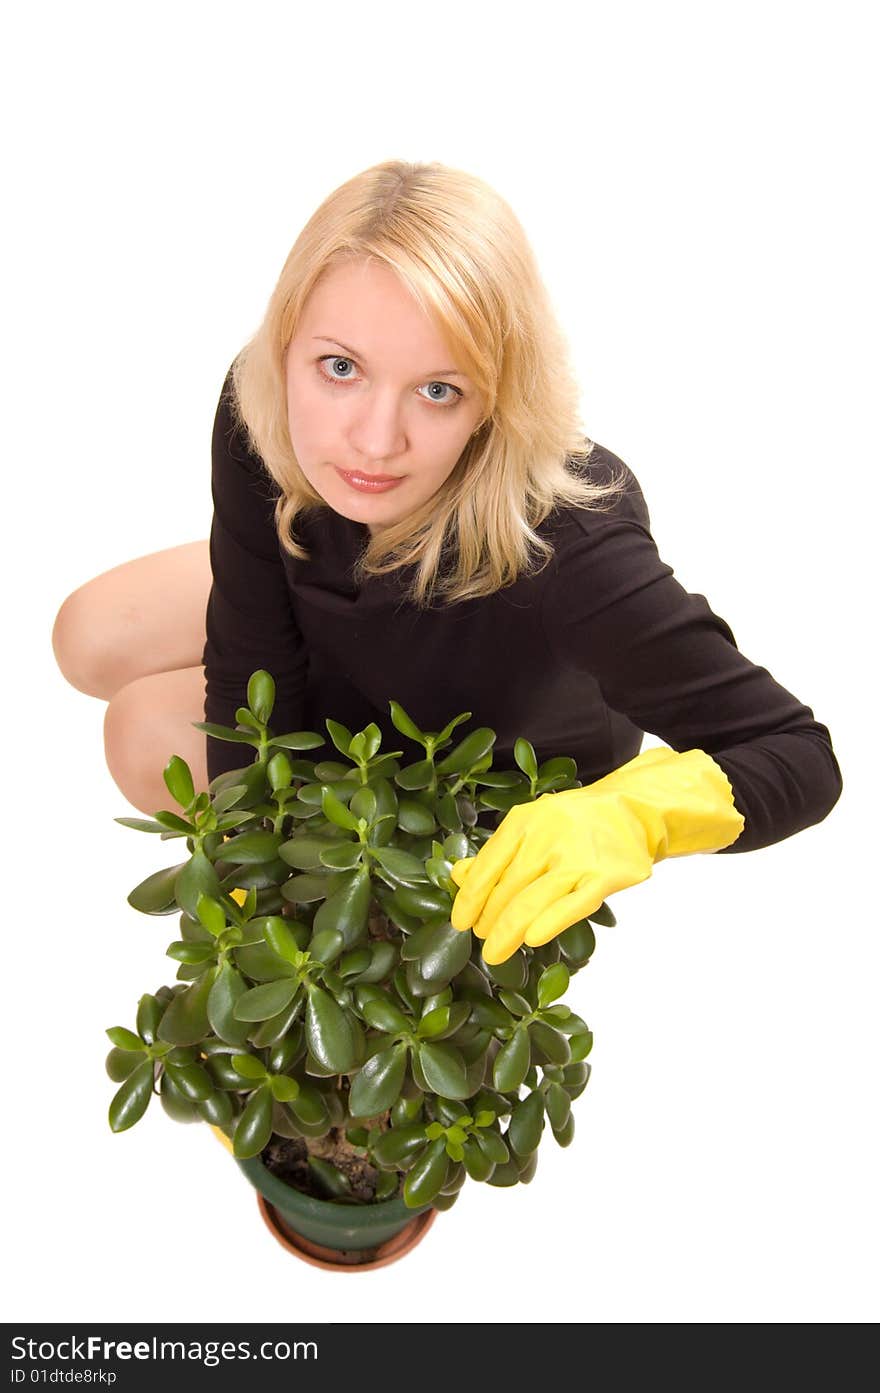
point(696, 182)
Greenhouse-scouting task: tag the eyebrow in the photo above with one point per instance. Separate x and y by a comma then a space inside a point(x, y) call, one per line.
point(440, 372)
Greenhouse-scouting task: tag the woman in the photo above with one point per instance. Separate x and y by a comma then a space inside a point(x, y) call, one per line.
point(405, 507)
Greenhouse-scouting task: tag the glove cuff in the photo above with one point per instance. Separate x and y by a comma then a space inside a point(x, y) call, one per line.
point(701, 815)
point(683, 799)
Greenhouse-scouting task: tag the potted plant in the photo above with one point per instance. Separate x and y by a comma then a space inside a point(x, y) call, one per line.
point(357, 1053)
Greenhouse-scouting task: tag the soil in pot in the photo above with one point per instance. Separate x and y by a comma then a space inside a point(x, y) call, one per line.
point(288, 1158)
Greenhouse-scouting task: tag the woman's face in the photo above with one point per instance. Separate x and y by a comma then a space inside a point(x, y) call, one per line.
point(373, 390)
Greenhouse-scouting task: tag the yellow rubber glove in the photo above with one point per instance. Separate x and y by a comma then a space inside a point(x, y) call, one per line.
point(551, 862)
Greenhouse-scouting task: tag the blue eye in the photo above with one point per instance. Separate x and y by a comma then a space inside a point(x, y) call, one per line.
point(335, 359)
point(446, 400)
point(334, 381)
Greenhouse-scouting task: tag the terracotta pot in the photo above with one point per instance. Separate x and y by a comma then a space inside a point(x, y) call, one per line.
point(342, 1237)
point(346, 1260)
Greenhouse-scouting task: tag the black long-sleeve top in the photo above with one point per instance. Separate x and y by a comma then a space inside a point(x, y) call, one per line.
point(581, 658)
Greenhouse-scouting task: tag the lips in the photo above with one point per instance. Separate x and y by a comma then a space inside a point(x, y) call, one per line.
point(369, 483)
point(371, 478)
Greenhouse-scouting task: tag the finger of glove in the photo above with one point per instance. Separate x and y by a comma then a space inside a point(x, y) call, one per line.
point(585, 898)
point(508, 928)
point(566, 911)
point(499, 947)
point(489, 864)
point(460, 869)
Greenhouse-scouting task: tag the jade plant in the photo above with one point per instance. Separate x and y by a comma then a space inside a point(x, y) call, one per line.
point(322, 993)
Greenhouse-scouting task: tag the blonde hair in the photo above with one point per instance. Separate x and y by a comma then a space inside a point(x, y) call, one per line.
point(461, 252)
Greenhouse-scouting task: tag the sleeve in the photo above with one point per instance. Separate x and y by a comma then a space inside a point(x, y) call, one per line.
point(612, 608)
point(249, 623)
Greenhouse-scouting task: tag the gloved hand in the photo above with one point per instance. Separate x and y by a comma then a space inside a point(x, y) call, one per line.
point(551, 862)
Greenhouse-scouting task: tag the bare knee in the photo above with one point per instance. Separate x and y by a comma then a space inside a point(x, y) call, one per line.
point(146, 722)
point(84, 649)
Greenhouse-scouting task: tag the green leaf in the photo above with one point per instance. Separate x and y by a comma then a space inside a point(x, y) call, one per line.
point(178, 781)
point(120, 1063)
point(298, 740)
point(185, 1022)
point(254, 1127)
point(478, 1165)
point(363, 804)
point(404, 724)
point(444, 735)
point(397, 1145)
point(170, 821)
point(248, 1066)
point(326, 946)
point(578, 942)
point(211, 915)
point(445, 955)
point(337, 812)
point(229, 987)
point(359, 960)
point(198, 877)
point(493, 1146)
point(194, 1082)
point(304, 889)
point(402, 865)
point(281, 938)
point(175, 1104)
point(124, 1039)
point(415, 776)
point(512, 1062)
point(512, 973)
point(329, 1032)
point(558, 1105)
point(565, 1134)
point(228, 797)
point(347, 908)
point(263, 1002)
point(524, 754)
point(444, 1070)
point(553, 1045)
point(284, 1088)
point(218, 1109)
point(261, 695)
point(552, 983)
point(130, 1102)
point(414, 817)
point(155, 895)
point(580, 1046)
point(527, 1124)
point(310, 1107)
point(443, 1020)
point(512, 1001)
point(379, 1011)
point(383, 960)
point(274, 1029)
point(340, 735)
point(377, 1084)
point(255, 848)
point(140, 824)
point(424, 900)
point(219, 732)
point(191, 953)
point(471, 750)
point(304, 852)
point(603, 916)
point(343, 856)
point(426, 1178)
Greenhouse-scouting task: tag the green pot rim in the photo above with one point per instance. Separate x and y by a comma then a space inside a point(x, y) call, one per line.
point(285, 1197)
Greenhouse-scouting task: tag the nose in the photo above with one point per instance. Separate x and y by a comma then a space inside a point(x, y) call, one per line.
point(376, 429)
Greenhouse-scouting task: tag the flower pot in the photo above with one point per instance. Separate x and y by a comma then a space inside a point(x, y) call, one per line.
point(342, 1237)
